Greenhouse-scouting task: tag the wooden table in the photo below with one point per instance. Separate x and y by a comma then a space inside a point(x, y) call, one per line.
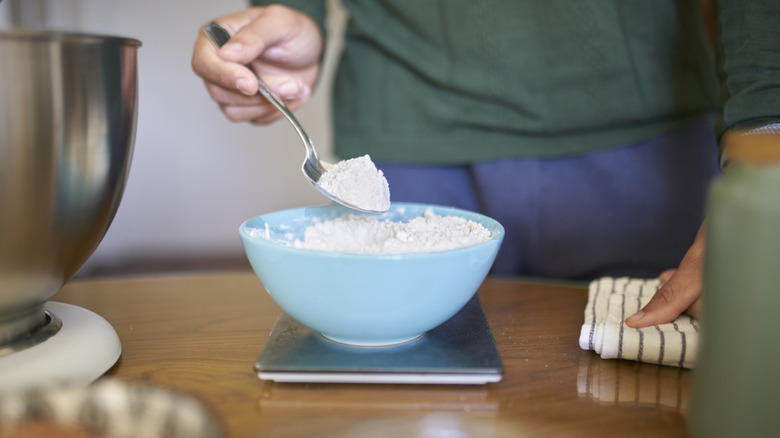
point(202, 334)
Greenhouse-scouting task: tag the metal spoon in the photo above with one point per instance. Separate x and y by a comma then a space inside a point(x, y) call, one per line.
point(312, 167)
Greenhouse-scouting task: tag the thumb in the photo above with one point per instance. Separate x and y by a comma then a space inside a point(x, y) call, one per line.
point(247, 41)
point(242, 48)
point(263, 30)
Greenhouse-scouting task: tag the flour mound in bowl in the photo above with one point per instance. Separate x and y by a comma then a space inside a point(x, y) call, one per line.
point(362, 234)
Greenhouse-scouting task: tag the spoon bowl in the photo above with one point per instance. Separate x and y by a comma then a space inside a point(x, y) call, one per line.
point(312, 166)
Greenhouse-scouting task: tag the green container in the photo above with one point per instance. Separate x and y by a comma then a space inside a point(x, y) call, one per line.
point(736, 383)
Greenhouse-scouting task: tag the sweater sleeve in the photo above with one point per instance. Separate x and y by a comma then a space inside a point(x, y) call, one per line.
point(315, 8)
point(748, 56)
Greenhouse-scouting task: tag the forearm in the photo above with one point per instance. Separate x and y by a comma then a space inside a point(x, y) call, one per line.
point(748, 61)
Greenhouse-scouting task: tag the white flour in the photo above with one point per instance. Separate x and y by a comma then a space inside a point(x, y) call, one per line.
point(368, 235)
point(358, 182)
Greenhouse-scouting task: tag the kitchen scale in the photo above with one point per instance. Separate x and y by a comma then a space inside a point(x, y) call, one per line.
point(83, 348)
point(462, 350)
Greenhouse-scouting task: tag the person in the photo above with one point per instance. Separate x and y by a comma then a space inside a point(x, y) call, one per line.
point(585, 128)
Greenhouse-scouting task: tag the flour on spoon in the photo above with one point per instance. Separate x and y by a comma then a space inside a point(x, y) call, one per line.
point(358, 182)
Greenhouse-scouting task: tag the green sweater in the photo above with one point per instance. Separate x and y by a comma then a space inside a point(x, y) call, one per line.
point(457, 81)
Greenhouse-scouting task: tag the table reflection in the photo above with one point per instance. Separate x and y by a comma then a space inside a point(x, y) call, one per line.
point(478, 400)
point(627, 383)
point(345, 411)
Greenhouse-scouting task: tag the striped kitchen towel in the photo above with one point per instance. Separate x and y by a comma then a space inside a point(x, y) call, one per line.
point(611, 301)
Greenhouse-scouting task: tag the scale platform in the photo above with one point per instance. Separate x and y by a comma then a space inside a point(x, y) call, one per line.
point(462, 350)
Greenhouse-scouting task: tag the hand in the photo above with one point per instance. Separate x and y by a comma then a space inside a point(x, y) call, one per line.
point(680, 291)
point(280, 44)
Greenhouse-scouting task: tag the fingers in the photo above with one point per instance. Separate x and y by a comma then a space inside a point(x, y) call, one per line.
point(238, 107)
point(256, 109)
point(680, 292)
point(289, 88)
point(694, 308)
point(277, 43)
point(257, 114)
point(674, 298)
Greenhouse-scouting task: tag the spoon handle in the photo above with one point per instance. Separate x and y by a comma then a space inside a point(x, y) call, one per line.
point(275, 101)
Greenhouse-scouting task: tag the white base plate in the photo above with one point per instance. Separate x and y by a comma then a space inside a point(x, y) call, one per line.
point(398, 378)
point(83, 350)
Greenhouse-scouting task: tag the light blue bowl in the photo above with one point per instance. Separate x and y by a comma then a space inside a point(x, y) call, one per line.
point(366, 299)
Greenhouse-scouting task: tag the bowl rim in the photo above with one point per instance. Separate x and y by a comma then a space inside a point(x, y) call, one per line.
point(60, 37)
point(496, 231)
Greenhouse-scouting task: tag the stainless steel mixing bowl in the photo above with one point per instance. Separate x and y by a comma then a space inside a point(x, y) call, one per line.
point(67, 126)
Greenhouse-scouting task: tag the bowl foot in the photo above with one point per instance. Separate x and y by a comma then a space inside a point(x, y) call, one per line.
point(377, 343)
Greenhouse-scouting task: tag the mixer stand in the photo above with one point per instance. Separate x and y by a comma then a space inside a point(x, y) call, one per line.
point(84, 348)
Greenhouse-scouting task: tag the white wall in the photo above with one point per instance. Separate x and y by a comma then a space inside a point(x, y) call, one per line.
point(195, 176)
